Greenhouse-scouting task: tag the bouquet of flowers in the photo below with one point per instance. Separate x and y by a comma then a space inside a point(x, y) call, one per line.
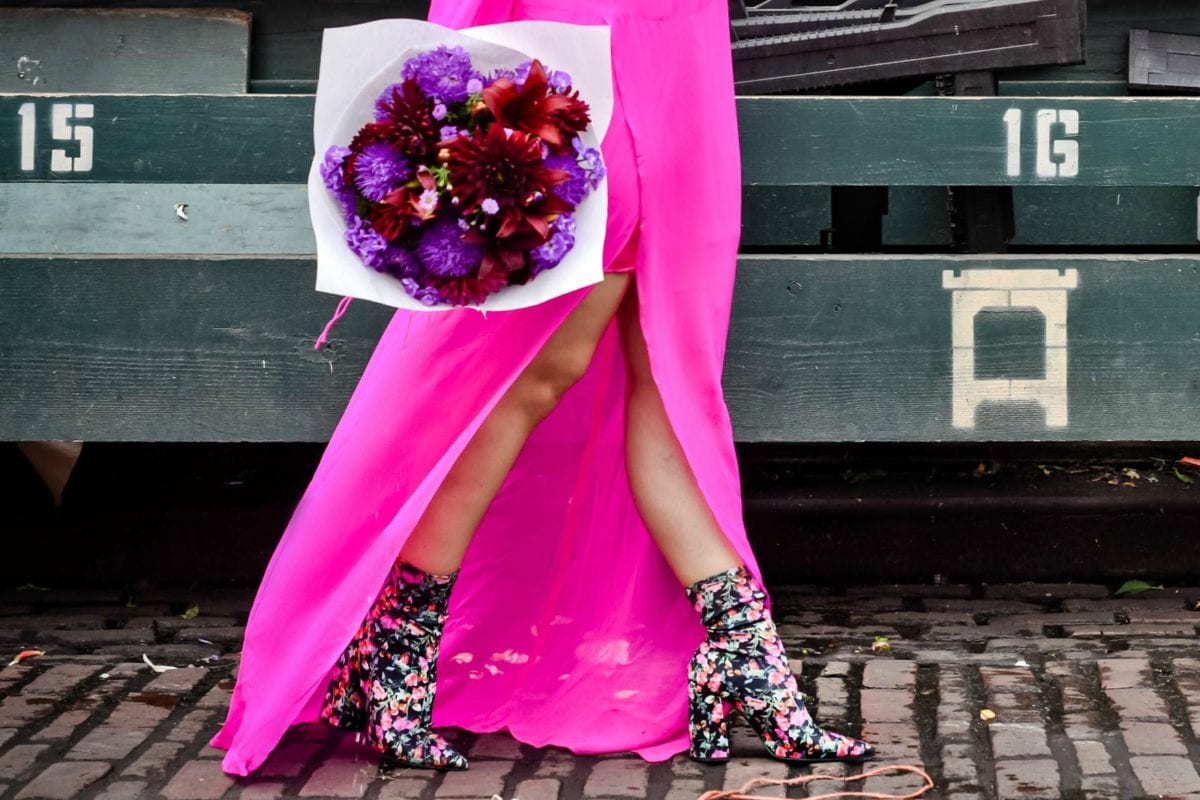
point(468, 178)
point(465, 183)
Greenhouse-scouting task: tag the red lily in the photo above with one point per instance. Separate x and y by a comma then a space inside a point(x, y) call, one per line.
point(533, 108)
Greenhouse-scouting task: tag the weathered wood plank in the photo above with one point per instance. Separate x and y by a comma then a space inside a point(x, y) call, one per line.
point(845, 348)
point(187, 138)
point(789, 216)
point(82, 219)
point(272, 219)
point(72, 218)
point(792, 141)
point(124, 50)
point(286, 36)
point(1102, 216)
point(821, 348)
point(174, 350)
point(939, 141)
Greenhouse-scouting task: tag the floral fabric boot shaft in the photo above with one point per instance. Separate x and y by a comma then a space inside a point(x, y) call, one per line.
point(742, 665)
point(387, 675)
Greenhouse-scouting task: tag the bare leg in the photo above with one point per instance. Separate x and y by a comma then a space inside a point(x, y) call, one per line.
point(665, 490)
point(441, 536)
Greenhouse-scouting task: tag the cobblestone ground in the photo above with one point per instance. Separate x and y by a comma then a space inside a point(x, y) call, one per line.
point(1092, 696)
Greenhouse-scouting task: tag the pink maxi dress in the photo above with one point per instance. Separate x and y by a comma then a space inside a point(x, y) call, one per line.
point(566, 626)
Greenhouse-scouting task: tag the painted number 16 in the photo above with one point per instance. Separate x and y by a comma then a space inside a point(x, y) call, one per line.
point(61, 129)
point(1056, 158)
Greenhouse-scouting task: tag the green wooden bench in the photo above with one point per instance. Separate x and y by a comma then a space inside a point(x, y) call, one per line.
point(156, 266)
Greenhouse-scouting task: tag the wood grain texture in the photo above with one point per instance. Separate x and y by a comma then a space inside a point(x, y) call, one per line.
point(821, 348)
point(186, 138)
point(124, 50)
point(858, 348)
point(175, 350)
point(961, 141)
point(286, 35)
point(793, 141)
point(70, 218)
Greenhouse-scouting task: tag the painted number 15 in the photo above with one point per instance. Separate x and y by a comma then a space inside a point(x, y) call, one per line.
point(1056, 157)
point(61, 129)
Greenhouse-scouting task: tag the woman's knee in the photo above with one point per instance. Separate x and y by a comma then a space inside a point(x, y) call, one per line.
point(550, 376)
point(566, 356)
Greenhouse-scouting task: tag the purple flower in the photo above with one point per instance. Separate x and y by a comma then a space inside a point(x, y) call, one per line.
point(439, 111)
point(366, 243)
point(400, 261)
point(574, 188)
point(425, 294)
point(489, 206)
point(475, 86)
point(428, 201)
point(501, 72)
point(443, 252)
point(522, 72)
point(379, 169)
point(448, 132)
point(442, 73)
point(334, 178)
point(561, 240)
point(592, 162)
point(559, 81)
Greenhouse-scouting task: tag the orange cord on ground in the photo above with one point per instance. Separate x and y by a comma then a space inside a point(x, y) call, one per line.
point(744, 792)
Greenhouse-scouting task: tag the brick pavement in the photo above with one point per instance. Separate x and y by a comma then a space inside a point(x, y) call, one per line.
point(1089, 697)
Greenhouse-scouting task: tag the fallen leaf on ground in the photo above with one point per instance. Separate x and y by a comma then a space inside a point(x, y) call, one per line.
point(155, 667)
point(1134, 587)
point(24, 654)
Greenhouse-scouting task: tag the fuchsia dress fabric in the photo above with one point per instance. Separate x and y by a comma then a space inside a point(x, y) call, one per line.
point(566, 625)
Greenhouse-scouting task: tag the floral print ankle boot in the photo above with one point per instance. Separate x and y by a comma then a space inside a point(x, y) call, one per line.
point(742, 665)
point(387, 676)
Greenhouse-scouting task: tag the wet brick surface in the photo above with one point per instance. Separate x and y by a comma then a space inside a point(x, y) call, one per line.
point(997, 691)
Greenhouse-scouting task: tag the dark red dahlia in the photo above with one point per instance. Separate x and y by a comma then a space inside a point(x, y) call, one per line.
point(468, 290)
point(391, 217)
point(572, 117)
point(533, 108)
point(506, 166)
point(407, 120)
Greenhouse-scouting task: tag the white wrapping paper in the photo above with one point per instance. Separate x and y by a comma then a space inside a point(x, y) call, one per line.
point(359, 61)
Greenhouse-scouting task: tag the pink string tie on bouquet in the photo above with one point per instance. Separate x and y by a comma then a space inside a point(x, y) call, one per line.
point(342, 305)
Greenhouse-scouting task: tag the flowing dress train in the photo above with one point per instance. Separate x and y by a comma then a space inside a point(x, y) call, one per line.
point(566, 625)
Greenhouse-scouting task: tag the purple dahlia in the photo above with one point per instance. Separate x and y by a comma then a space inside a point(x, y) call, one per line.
point(442, 73)
point(379, 169)
point(443, 252)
